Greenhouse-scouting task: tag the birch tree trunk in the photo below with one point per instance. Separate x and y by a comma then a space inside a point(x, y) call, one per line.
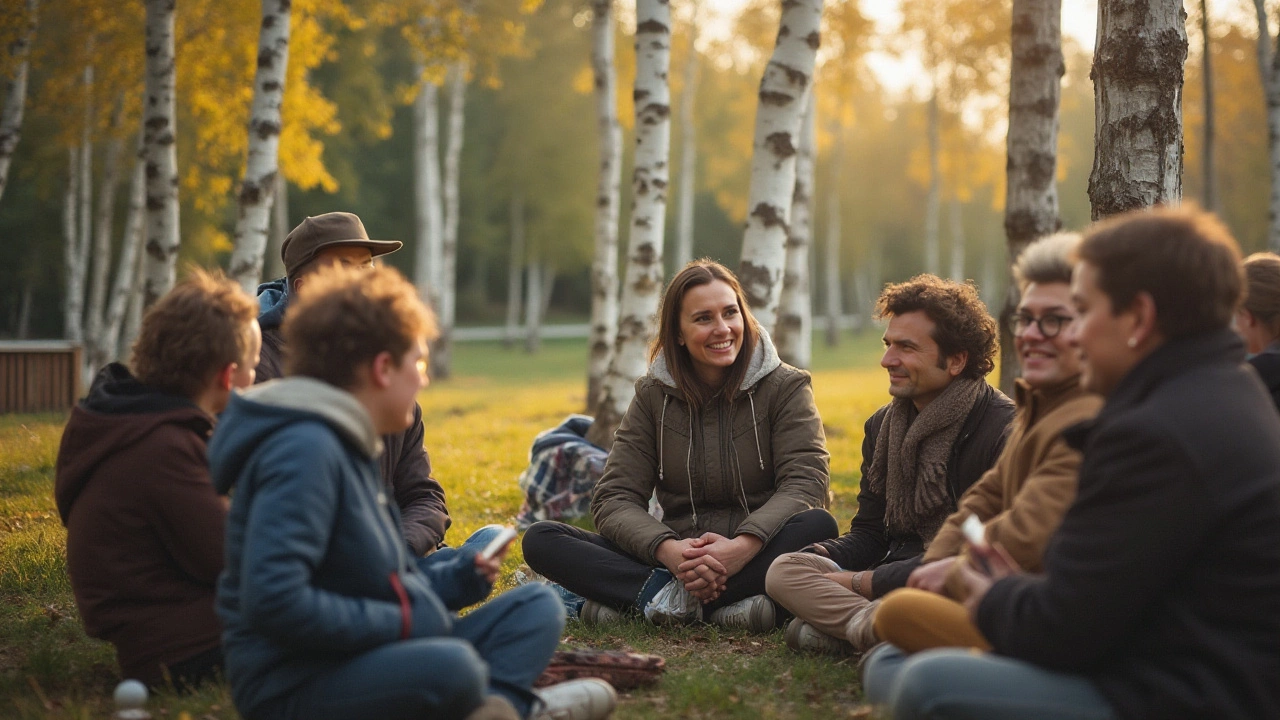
point(933, 205)
point(1206, 71)
point(24, 312)
point(273, 264)
point(441, 351)
point(957, 240)
point(124, 286)
point(85, 195)
point(793, 331)
point(604, 266)
point(642, 286)
point(1270, 74)
point(15, 92)
point(429, 226)
point(258, 188)
point(1138, 72)
point(533, 308)
point(835, 306)
point(1031, 191)
point(160, 123)
point(96, 354)
point(515, 269)
point(137, 299)
point(783, 90)
point(688, 151)
point(73, 301)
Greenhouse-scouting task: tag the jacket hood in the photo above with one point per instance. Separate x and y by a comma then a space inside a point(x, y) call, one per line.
point(273, 299)
point(118, 413)
point(763, 361)
point(253, 416)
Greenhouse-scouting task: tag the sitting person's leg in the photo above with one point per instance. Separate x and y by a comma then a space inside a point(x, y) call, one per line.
point(964, 685)
point(478, 540)
point(803, 529)
point(409, 680)
point(589, 565)
point(798, 582)
point(915, 620)
point(516, 634)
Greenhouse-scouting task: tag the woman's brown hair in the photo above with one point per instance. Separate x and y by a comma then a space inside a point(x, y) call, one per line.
point(1262, 289)
point(679, 362)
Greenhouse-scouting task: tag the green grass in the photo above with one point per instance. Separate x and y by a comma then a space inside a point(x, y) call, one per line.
point(479, 425)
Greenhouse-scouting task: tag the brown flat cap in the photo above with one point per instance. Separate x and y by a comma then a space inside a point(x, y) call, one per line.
point(327, 230)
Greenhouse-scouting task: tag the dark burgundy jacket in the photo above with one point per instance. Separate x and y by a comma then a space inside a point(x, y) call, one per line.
point(868, 544)
point(144, 525)
point(1162, 584)
point(406, 468)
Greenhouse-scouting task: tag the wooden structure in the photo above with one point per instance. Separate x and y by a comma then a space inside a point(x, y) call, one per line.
point(39, 376)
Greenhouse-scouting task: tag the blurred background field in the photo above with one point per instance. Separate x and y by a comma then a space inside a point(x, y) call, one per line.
point(479, 425)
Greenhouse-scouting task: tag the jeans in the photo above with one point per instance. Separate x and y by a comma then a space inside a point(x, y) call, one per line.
point(955, 684)
point(499, 648)
point(478, 540)
point(591, 566)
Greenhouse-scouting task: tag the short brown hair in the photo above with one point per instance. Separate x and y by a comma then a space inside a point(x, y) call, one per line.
point(961, 321)
point(679, 362)
point(1184, 258)
point(349, 316)
point(199, 327)
point(1262, 294)
point(1047, 260)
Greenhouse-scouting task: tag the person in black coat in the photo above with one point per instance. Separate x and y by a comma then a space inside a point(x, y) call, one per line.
point(1258, 319)
point(1161, 591)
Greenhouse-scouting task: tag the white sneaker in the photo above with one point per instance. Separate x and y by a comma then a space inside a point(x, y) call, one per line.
point(594, 613)
point(755, 614)
point(801, 637)
point(584, 699)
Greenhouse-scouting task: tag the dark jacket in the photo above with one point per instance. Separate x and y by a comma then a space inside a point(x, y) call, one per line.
point(868, 544)
point(1162, 584)
point(312, 543)
point(144, 525)
point(406, 469)
point(745, 468)
point(1267, 363)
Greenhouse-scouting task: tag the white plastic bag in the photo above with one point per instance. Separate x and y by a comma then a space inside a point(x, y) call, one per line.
point(673, 605)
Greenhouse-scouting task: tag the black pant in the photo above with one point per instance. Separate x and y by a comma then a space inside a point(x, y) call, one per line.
point(591, 566)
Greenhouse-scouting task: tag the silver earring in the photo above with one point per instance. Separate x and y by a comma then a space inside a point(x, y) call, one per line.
point(1133, 342)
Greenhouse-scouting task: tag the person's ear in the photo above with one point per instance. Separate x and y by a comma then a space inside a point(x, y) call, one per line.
point(1245, 319)
point(1144, 324)
point(223, 378)
point(956, 363)
point(381, 369)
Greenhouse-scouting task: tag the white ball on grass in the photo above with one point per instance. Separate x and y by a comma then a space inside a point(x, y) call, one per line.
point(130, 694)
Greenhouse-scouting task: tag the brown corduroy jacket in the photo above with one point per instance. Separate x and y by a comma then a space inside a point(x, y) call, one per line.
point(1022, 498)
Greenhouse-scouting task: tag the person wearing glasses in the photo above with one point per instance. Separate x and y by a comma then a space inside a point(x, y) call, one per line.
point(339, 238)
point(1022, 499)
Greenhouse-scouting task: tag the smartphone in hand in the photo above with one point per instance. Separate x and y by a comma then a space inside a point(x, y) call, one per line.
point(975, 534)
point(499, 544)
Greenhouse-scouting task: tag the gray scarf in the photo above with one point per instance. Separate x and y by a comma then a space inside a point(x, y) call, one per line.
point(909, 467)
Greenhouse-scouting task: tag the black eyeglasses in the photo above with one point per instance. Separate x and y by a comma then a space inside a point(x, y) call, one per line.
point(1050, 325)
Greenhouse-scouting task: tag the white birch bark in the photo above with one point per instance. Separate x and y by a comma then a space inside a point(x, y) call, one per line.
point(124, 286)
point(533, 308)
point(258, 189)
point(957, 240)
point(441, 351)
point(161, 127)
point(73, 300)
point(604, 266)
point(428, 216)
point(137, 301)
point(831, 260)
point(793, 331)
point(96, 354)
point(1138, 73)
point(1269, 71)
point(15, 92)
point(84, 215)
point(515, 269)
point(24, 312)
point(933, 204)
point(688, 151)
point(1031, 190)
point(1206, 77)
point(787, 79)
point(642, 286)
point(273, 264)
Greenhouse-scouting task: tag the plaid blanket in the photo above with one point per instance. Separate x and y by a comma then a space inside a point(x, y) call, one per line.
point(563, 470)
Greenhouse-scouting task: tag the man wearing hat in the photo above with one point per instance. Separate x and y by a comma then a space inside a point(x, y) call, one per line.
point(340, 238)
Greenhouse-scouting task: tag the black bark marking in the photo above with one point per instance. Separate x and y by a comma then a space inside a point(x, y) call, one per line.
point(754, 279)
point(780, 144)
point(813, 40)
point(770, 216)
point(777, 99)
point(651, 26)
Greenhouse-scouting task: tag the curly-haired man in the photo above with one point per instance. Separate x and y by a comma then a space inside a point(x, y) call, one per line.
point(943, 429)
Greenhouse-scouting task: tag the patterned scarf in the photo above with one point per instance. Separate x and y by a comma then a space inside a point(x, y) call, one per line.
point(909, 467)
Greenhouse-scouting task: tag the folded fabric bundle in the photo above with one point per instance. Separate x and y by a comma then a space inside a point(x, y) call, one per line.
point(623, 670)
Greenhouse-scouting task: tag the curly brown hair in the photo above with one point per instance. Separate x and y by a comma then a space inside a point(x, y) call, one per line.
point(198, 328)
point(961, 321)
point(348, 317)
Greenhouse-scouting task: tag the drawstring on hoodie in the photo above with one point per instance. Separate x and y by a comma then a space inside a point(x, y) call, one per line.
point(662, 425)
point(688, 456)
point(751, 396)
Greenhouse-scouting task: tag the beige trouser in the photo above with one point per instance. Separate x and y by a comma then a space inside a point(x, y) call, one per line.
point(796, 581)
point(916, 620)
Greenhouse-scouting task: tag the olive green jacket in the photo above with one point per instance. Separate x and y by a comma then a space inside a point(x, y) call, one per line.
point(745, 467)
